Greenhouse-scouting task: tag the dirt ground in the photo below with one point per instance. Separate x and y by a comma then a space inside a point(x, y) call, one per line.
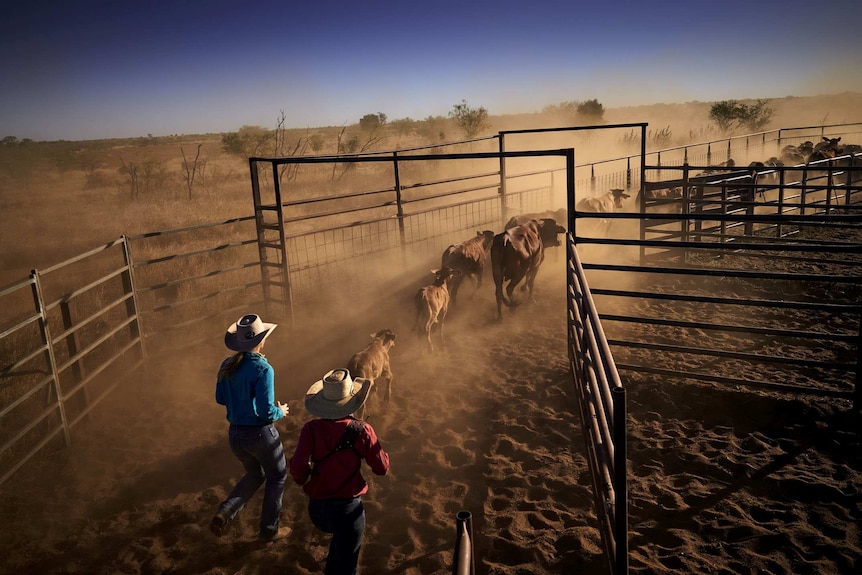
point(721, 481)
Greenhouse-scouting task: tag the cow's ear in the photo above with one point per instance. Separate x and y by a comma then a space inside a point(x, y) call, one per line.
point(373, 335)
point(435, 272)
point(480, 234)
point(561, 230)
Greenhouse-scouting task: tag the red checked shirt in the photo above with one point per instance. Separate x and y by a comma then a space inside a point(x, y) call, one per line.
point(339, 475)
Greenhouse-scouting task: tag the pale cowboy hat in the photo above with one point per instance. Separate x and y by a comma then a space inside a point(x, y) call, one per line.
point(337, 395)
point(247, 333)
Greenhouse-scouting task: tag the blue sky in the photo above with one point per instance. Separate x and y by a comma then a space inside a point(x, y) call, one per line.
point(108, 69)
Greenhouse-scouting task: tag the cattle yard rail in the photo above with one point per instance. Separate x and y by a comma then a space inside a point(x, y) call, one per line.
point(628, 172)
point(304, 243)
point(93, 320)
point(66, 353)
point(602, 406)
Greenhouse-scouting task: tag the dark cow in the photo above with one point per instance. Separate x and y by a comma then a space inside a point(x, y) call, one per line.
point(727, 166)
point(792, 155)
point(517, 254)
point(432, 304)
point(373, 361)
point(469, 257)
point(557, 215)
point(825, 150)
point(763, 172)
point(664, 200)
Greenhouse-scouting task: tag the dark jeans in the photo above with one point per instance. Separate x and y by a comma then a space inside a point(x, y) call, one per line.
point(261, 453)
point(345, 519)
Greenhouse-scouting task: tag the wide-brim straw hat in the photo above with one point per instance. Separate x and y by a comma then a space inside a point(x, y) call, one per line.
point(247, 333)
point(337, 395)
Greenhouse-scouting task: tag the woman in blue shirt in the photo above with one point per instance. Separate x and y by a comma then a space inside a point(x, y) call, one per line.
point(245, 386)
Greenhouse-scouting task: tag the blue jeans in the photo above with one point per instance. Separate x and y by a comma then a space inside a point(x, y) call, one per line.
point(261, 453)
point(345, 519)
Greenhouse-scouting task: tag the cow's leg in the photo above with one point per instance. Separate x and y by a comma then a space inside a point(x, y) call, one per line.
point(477, 282)
point(516, 279)
point(387, 373)
point(454, 284)
point(441, 318)
point(498, 289)
point(528, 284)
point(429, 325)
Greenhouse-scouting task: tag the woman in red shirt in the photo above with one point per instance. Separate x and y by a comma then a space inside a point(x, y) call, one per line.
point(327, 464)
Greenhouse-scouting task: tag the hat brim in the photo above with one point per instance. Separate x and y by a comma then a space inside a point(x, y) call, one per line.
point(235, 343)
point(319, 406)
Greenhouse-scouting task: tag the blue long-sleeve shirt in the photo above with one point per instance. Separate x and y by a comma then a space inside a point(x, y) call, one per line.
point(249, 393)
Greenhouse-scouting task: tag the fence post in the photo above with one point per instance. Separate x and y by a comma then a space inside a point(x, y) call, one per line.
point(399, 205)
point(685, 209)
point(781, 180)
point(45, 331)
point(78, 371)
point(504, 202)
point(857, 387)
point(629, 173)
point(130, 286)
point(463, 559)
point(802, 192)
point(621, 518)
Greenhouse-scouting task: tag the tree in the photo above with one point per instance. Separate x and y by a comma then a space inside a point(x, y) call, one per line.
point(372, 122)
point(245, 143)
point(725, 114)
point(472, 121)
point(190, 169)
point(730, 114)
point(130, 170)
point(590, 112)
point(433, 129)
point(756, 116)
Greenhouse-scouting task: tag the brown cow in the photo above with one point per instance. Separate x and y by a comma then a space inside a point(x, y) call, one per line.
point(373, 361)
point(432, 304)
point(517, 254)
point(469, 257)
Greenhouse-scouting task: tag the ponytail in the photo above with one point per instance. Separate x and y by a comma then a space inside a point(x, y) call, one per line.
point(230, 365)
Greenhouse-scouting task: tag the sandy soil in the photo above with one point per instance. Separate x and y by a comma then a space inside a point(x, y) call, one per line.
point(721, 481)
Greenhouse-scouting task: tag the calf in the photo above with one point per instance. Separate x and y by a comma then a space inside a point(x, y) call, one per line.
point(603, 204)
point(469, 257)
point(517, 254)
point(432, 304)
point(373, 361)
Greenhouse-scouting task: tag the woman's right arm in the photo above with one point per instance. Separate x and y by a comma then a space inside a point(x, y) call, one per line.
point(375, 456)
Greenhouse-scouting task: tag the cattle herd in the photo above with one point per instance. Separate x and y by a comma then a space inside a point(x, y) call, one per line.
point(516, 254)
